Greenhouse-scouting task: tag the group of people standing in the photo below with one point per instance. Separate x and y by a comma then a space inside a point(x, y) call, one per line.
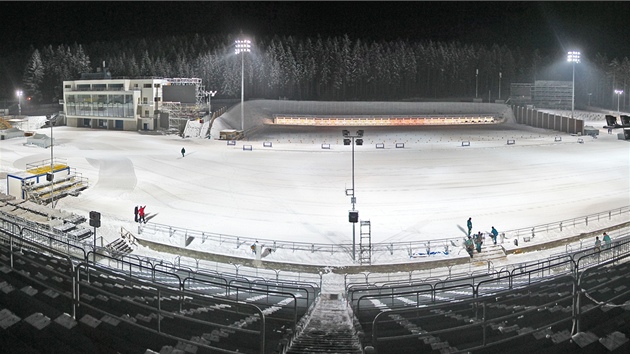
point(598, 242)
point(472, 243)
point(139, 214)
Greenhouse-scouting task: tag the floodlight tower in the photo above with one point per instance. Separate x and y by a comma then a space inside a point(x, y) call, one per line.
point(573, 57)
point(476, 83)
point(242, 46)
point(619, 93)
point(499, 85)
point(19, 96)
point(51, 120)
point(210, 95)
point(353, 215)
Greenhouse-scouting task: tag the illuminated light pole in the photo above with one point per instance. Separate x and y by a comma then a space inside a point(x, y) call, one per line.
point(242, 46)
point(573, 57)
point(619, 93)
point(499, 85)
point(353, 215)
point(51, 176)
point(476, 83)
point(210, 95)
point(589, 99)
point(19, 95)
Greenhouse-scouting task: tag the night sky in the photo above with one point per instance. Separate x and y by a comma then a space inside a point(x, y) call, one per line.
point(550, 26)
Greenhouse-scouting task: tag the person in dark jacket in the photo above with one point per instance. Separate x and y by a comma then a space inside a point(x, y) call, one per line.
point(469, 224)
point(135, 213)
point(183, 152)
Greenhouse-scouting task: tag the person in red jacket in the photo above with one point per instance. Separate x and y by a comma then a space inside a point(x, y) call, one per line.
point(141, 214)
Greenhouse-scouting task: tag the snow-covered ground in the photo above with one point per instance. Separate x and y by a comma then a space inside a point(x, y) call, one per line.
point(296, 191)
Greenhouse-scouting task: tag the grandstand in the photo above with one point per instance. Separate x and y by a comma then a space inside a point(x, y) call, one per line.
point(150, 288)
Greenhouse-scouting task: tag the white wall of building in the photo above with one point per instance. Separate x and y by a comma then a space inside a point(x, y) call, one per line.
point(119, 104)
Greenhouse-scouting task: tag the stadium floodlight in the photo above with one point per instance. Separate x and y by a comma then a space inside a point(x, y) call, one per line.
point(210, 95)
point(573, 57)
point(619, 93)
point(499, 86)
point(476, 83)
point(19, 96)
point(353, 216)
point(242, 46)
point(51, 120)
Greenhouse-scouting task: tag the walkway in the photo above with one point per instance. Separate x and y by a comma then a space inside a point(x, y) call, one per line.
point(329, 329)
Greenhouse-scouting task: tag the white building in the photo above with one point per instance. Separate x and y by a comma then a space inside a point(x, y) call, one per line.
point(120, 104)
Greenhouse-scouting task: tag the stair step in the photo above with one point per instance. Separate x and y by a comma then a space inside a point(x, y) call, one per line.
point(339, 335)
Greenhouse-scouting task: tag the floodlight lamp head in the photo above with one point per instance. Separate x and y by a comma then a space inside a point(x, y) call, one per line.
point(346, 141)
point(345, 132)
point(573, 57)
point(18, 93)
point(359, 141)
point(360, 132)
point(243, 45)
point(619, 92)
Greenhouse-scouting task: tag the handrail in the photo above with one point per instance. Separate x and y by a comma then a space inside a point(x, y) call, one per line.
point(161, 313)
point(246, 288)
point(592, 259)
point(386, 247)
point(483, 323)
point(140, 267)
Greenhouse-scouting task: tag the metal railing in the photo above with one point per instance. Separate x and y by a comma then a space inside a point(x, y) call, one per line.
point(162, 281)
point(563, 224)
point(441, 245)
point(524, 275)
point(595, 264)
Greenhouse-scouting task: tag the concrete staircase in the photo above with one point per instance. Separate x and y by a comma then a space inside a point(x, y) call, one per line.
point(329, 329)
point(489, 252)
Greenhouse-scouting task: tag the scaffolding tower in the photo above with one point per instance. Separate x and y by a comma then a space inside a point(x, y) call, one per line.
point(365, 242)
point(179, 114)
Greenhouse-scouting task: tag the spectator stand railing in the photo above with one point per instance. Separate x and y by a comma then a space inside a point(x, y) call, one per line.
point(406, 248)
point(561, 225)
point(522, 274)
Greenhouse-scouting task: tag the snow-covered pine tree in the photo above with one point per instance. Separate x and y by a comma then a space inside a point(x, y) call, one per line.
point(34, 76)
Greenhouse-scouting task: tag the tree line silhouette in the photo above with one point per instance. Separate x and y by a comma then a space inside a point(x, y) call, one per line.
point(332, 68)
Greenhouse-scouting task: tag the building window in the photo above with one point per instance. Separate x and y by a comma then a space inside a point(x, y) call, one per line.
point(68, 86)
point(147, 85)
point(146, 114)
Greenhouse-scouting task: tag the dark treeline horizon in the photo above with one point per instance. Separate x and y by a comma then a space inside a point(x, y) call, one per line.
point(316, 68)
